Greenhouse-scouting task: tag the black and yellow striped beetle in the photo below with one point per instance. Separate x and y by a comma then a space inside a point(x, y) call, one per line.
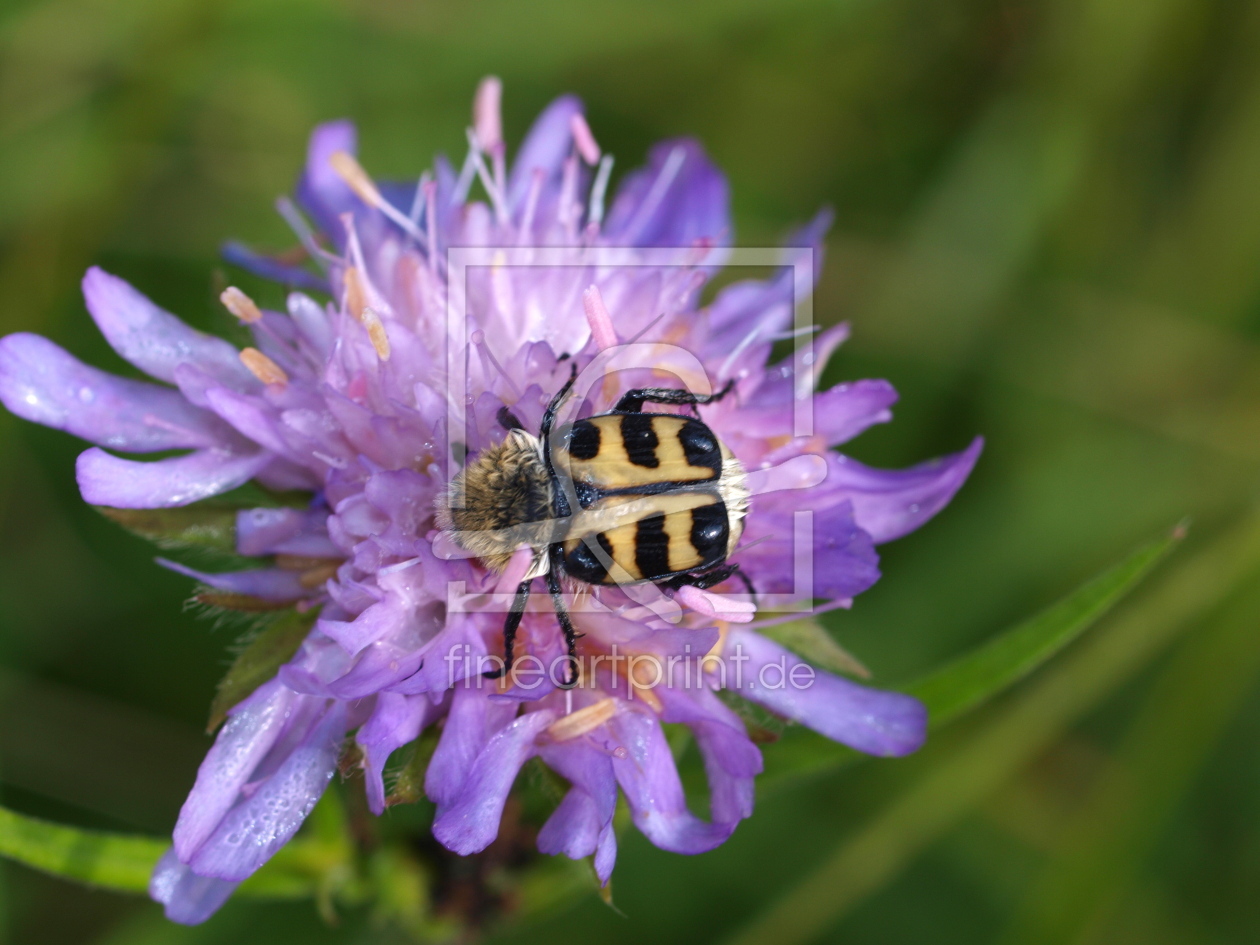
point(625, 497)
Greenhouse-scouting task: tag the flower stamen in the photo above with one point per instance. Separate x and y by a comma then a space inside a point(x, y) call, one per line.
point(598, 318)
point(487, 120)
point(240, 305)
point(583, 720)
point(376, 332)
point(599, 188)
point(356, 293)
point(351, 171)
point(263, 368)
point(583, 140)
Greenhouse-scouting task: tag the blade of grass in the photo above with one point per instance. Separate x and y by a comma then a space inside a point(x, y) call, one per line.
point(1100, 851)
point(998, 664)
point(991, 668)
point(963, 777)
point(121, 862)
point(320, 858)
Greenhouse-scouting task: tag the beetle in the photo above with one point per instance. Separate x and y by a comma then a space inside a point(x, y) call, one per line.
point(624, 497)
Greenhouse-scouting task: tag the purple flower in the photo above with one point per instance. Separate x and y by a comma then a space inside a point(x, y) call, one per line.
point(352, 400)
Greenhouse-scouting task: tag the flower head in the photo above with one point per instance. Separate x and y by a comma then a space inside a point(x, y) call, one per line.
point(367, 401)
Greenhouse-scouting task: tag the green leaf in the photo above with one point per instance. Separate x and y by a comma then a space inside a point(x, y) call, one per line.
point(200, 526)
point(121, 862)
point(259, 661)
point(1001, 662)
point(810, 639)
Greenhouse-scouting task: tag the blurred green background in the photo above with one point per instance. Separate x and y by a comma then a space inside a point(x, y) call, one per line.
point(1048, 232)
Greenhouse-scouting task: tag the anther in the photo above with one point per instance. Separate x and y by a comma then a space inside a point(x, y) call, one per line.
point(641, 685)
point(356, 178)
point(598, 318)
point(487, 123)
point(356, 294)
point(583, 720)
point(351, 171)
point(263, 368)
point(583, 140)
point(240, 305)
point(376, 332)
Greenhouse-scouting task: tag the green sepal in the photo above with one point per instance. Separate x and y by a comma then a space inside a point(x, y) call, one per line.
point(201, 526)
point(259, 661)
point(808, 638)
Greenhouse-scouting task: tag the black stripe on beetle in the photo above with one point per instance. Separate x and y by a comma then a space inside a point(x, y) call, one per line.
point(651, 546)
point(700, 445)
point(710, 532)
point(585, 565)
point(639, 440)
point(584, 440)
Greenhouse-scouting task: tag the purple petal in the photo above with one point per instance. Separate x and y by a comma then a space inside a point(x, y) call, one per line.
point(153, 339)
point(381, 619)
point(573, 827)
point(250, 731)
point(870, 720)
point(470, 824)
point(188, 899)
point(583, 823)
point(839, 414)
point(41, 382)
point(250, 417)
point(731, 760)
point(127, 484)
point(395, 721)
point(545, 147)
point(392, 660)
point(238, 254)
point(265, 583)
point(312, 322)
point(321, 190)
point(892, 503)
point(679, 198)
point(260, 825)
point(472, 721)
point(284, 531)
point(649, 778)
point(841, 560)
point(747, 315)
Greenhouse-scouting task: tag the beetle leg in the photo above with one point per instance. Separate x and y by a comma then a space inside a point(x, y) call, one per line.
point(508, 420)
point(632, 401)
point(509, 629)
point(562, 615)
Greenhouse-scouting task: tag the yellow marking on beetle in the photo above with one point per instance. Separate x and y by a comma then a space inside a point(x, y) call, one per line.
point(674, 466)
point(611, 467)
point(682, 553)
point(623, 553)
